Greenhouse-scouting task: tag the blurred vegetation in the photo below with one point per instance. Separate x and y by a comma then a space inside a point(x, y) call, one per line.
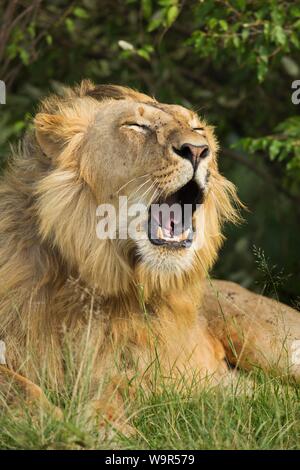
point(231, 60)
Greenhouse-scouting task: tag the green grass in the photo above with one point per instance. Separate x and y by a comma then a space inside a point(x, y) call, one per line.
point(267, 416)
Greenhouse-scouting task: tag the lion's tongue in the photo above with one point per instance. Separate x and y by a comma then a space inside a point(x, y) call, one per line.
point(168, 224)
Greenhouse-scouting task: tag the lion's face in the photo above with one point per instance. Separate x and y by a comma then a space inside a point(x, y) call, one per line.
point(132, 147)
point(154, 154)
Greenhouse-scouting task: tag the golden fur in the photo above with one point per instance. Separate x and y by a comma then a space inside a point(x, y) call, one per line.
point(133, 303)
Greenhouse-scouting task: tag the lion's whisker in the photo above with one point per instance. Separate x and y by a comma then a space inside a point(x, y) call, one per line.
point(147, 191)
point(131, 181)
point(134, 197)
point(144, 193)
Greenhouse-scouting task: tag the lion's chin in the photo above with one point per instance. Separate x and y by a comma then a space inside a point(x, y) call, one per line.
point(164, 260)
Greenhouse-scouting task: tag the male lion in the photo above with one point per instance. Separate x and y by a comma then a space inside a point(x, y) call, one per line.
point(136, 303)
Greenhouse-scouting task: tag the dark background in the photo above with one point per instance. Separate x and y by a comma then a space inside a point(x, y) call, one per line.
point(232, 61)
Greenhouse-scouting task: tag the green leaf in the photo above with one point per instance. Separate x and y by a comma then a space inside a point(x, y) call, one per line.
point(70, 25)
point(19, 126)
point(147, 8)
point(49, 39)
point(24, 55)
point(279, 35)
point(145, 51)
point(156, 21)
point(236, 41)
point(224, 25)
point(262, 70)
point(294, 38)
point(81, 13)
point(172, 14)
point(212, 23)
point(274, 149)
point(167, 3)
point(241, 5)
point(295, 11)
point(245, 34)
point(296, 25)
point(294, 164)
point(144, 54)
point(31, 30)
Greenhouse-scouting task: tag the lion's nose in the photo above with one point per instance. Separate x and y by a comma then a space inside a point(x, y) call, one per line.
point(193, 153)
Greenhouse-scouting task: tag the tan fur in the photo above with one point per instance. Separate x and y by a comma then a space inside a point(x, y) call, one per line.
point(58, 279)
point(257, 332)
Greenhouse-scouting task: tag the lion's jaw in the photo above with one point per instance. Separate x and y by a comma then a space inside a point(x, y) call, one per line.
point(136, 148)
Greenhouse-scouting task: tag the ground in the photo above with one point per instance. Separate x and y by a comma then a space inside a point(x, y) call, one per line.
point(266, 417)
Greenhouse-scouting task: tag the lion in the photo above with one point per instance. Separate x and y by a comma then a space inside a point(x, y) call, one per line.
point(135, 302)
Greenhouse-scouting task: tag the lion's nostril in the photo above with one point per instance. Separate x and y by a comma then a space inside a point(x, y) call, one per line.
point(204, 151)
point(193, 153)
point(186, 151)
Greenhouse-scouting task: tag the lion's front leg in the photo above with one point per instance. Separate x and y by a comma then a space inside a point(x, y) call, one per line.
point(16, 390)
point(256, 331)
point(108, 409)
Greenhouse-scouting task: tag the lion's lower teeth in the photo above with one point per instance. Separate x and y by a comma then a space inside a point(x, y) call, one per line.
point(185, 234)
point(160, 235)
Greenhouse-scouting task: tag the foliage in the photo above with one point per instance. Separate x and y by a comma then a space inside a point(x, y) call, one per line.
point(231, 60)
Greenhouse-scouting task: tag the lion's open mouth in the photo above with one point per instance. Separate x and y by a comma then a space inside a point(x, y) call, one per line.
point(170, 221)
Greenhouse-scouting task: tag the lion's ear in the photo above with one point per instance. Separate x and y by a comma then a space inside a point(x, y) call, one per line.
point(53, 132)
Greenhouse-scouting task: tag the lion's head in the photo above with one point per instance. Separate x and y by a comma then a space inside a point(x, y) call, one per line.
point(106, 142)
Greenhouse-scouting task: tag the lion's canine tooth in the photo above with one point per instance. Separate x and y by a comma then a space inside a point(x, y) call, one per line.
point(159, 233)
point(184, 235)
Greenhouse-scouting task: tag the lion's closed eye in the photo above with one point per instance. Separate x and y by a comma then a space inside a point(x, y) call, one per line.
point(143, 128)
point(200, 130)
